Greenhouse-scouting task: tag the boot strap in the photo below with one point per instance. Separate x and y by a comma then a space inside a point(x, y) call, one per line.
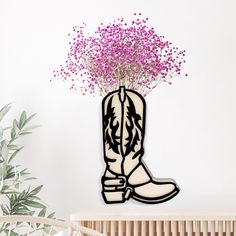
point(119, 182)
point(116, 185)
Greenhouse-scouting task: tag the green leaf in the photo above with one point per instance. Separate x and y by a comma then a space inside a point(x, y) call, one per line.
point(52, 215)
point(33, 198)
point(10, 172)
point(22, 194)
point(22, 212)
point(13, 147)
point(23, 172)
point(30, 118)
point(5, 226)
point(15, 125)
point(12, 233)
point(5, 187)
point(36, 190)
point(4, 111)
point(17, 185)
point(32, 212)
point(4, 210)
point(4, 151)
point(23, 118)
point(10, 192)
point(34, 204)
point(14, 154)
point(27, 120)
point(42, 213)
point(25, 133)
point(13, 133)
point(48, 229)
point(30, 178)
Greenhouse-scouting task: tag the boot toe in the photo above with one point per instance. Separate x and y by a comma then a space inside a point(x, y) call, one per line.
point(154, 192)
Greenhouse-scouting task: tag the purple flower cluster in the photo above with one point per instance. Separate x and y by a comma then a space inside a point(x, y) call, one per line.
point(120, 53)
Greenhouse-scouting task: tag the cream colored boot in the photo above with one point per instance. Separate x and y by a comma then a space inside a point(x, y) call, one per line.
point(126, 176)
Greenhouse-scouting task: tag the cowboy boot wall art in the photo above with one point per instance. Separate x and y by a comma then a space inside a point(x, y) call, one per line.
point(126, 176)
point(123, 61)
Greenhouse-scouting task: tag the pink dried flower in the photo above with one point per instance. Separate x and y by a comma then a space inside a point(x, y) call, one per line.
point(120, 54)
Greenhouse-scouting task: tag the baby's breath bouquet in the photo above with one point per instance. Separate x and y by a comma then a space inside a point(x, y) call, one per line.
point(121, 53)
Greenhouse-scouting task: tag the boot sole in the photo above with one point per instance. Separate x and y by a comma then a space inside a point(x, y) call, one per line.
point(157, 200)
point(118, 197)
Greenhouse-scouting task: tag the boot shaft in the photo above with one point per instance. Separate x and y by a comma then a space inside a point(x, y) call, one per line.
point(123, 128)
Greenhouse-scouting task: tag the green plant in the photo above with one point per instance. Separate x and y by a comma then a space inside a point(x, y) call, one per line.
point(18, 200)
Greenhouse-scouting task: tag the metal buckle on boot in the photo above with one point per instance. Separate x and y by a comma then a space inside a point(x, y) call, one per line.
point(123, 180)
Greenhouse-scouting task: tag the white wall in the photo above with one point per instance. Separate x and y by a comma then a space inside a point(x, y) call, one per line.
point(191, 128)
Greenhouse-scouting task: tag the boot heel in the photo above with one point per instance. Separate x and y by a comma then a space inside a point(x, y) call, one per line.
point(113, 197)
point(114, 189)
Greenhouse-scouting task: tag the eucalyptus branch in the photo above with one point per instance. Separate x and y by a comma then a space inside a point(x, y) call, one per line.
point(19, 201)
